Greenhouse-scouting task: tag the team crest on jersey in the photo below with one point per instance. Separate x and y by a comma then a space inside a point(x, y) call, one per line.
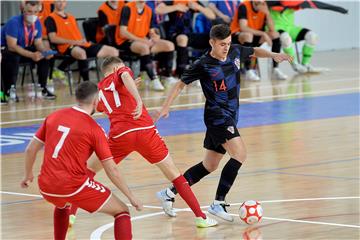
point(231, 129)
point(237, 63)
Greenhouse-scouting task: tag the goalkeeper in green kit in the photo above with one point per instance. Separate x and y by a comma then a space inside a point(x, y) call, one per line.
point(283, 15)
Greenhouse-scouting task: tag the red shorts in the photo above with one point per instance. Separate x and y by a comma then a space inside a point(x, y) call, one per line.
point(92, 197)
point(147, 142)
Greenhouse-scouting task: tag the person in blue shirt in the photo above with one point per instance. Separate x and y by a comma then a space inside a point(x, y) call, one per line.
point(224, 10)
point(22, 42)
point(218, 71)
point(180, 31)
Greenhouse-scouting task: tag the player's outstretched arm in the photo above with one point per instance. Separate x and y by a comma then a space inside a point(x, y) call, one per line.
point(114, 175)
point(131, 87)
point(278, 57)
point(30, 156)
point(174, 92)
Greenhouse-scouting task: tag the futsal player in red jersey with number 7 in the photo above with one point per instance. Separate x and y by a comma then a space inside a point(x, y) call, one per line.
point(132, 129)
point(69, 137)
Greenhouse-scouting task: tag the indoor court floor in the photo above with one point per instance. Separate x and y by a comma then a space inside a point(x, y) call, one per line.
point(302, 138)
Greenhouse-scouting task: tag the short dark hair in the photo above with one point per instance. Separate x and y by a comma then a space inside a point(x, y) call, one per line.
point(220, 31)
point(32, 3)
point(108, 62)
point(85, 92)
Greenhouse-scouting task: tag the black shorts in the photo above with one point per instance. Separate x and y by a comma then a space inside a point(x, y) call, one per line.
point(125, 46)
point(91, 51)
point(255, 42)
point(216, 136)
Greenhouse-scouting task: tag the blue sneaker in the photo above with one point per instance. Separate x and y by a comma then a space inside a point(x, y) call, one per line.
point(218, 208)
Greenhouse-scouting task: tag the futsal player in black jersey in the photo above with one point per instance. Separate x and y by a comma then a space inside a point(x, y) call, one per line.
point(219, 73)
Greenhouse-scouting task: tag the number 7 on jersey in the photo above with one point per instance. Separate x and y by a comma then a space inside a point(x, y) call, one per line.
point(65, 131)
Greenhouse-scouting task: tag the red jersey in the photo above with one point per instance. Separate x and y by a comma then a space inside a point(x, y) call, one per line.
point(70, 137)
point(118, 103)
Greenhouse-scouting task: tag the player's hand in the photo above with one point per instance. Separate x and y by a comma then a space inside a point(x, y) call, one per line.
point(136, 203)
point(138, 81)
point(280, 57)
point(226, 19)
point(163, 113)
point(27, 179)
point(138, 111)
point(36, 56)
point(182, 8)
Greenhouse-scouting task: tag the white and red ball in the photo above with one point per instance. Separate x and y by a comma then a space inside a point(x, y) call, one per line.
point(251, 212)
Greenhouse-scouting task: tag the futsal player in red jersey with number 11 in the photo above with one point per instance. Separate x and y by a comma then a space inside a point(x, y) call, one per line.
point(69, 137)
point(132, 129)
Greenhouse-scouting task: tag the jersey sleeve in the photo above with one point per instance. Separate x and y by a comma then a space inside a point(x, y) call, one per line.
point(103, 20)
point(101, 146)
point(50, 25)
point(39, 29)
point(193, 73)
point(242, 12)
point(125, 16)
point(12, 29)
point(245, 52)
point(41, 133)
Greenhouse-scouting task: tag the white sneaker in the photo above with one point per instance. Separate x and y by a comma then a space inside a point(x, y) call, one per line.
point(251, 75)
point(197, 84)
point(205, 223)
point(312, 69)
point(299, 68)
point(170, 81)
point(218, 208)
point(156, 85)
point(166, 201)
point(278, 74)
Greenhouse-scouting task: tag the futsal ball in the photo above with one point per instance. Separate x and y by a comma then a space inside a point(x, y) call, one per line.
point(251, 212)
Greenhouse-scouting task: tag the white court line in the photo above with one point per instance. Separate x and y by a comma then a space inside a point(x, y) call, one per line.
point(202, 103)
point(96, 234)
point(21, 194)
point(305, 221)
point(181, 95)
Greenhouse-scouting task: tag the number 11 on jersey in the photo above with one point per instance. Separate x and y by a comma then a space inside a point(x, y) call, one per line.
point(115, 94)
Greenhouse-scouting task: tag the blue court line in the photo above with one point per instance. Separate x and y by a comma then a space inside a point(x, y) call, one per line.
point(250, 173)
point(250, 115)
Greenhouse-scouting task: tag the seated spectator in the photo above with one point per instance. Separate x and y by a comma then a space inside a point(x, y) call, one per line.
point(180, 31)
point(248, 29)
point(64, 32)
point(137, 35)
point(224, 10)
point(108, 14)
point(21, 41)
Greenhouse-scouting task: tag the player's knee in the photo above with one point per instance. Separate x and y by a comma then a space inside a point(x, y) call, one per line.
point(211, 166)
point(246, 37)
point(182, 40)
point(169, 46)
point(311, 38)
point(285, 40)
point(239, 156)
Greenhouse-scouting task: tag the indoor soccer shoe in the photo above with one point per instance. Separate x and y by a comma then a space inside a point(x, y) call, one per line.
point(299, 68)
point(218, 208)
point(166, 203)
point(205, 223)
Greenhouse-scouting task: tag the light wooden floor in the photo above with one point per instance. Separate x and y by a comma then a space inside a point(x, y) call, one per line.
point(305, 173)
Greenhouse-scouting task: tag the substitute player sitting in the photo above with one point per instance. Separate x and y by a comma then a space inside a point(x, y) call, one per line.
point(69, 137)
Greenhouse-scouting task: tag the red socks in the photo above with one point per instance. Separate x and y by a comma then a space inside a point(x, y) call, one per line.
point(183, 188)
point(122, 226)
point(61, 223)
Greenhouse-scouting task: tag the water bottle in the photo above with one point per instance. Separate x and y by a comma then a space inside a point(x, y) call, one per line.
point(38, 91)
point(31, 91)
point(50, 86)
point(12, 93)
